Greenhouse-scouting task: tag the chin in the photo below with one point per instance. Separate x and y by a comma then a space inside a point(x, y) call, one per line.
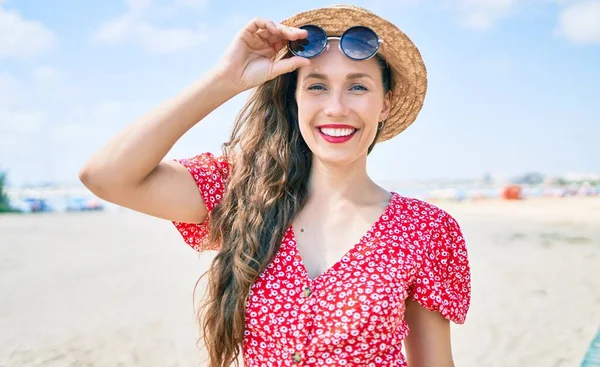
point(335, 157)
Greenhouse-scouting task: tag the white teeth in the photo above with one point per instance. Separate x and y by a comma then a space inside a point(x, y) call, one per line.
point(337, 132)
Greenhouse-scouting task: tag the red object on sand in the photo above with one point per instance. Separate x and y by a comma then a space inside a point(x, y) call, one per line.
point(512, 192)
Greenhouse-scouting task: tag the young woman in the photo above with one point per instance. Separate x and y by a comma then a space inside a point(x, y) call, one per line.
point(317, 265)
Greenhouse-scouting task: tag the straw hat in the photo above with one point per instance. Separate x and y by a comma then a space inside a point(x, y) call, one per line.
point(408, 70)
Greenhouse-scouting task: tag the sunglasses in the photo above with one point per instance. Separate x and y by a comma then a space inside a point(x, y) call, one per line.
point(357, 43)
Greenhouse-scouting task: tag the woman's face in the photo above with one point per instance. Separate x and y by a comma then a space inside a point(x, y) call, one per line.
point(340, 104)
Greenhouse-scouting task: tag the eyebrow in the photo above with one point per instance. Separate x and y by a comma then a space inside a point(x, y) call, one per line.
point(349, 76)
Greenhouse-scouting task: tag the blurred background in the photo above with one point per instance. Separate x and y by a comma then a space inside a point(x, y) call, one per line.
point(507, 142)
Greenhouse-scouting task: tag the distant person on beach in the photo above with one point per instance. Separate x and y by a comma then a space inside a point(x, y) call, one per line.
point(316, 264)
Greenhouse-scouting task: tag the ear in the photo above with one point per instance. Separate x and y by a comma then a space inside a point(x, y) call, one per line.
point(385, 108)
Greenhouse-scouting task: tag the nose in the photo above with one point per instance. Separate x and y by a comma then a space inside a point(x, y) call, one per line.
point(336, 105)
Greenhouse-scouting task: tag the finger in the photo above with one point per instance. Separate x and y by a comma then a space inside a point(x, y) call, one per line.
point(278, 46)
point(268, 29)
point(293, 33)
point(268, 37)
point(275, 42)
point(263, 26)
point(288, 65)
point(289, 33)
point(256, 24)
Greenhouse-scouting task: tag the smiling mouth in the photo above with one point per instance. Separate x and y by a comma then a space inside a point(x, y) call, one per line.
point(336, 132)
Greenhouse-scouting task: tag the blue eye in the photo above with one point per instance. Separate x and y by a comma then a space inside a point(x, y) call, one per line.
point(316, 87)
point(361, 87)
point(355, 87)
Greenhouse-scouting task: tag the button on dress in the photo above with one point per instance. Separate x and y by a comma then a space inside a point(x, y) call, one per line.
point(353, 313)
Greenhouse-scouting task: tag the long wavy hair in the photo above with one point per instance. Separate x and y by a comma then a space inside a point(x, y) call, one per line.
point(266, 188)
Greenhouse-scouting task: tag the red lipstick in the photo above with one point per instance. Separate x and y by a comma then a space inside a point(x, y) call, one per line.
point(336, 139)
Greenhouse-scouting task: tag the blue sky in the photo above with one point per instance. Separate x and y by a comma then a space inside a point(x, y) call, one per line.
point(514, 85)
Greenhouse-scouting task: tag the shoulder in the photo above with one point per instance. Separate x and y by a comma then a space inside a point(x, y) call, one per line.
point(408, 209)
point(442, 279)
point(423, 224)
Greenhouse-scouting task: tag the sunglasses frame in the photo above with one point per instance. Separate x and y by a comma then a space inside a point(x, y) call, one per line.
point(379, 42)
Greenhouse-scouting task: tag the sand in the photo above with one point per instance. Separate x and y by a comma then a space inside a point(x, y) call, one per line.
point(115, 289)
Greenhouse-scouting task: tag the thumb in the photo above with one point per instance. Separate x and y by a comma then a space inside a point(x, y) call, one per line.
point(288, 65)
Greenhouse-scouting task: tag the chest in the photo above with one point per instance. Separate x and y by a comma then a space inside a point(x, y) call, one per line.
point(320, 250)
point(360, 297)
point(322, 240)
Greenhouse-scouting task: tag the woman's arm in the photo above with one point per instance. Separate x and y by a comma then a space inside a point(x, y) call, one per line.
point(428, 343)
point(129, 170)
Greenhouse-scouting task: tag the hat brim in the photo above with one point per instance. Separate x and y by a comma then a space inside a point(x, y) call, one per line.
point(408, 70)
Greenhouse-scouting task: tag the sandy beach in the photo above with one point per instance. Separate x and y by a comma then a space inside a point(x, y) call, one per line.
point(115, 288)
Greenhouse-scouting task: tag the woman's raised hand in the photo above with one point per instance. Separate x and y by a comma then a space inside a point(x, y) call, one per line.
point(248, 63)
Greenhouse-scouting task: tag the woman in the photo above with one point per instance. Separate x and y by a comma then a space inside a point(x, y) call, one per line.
point(317, 265)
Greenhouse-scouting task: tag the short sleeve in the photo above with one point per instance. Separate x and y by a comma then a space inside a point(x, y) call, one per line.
point(209, 173)
point(443, 282)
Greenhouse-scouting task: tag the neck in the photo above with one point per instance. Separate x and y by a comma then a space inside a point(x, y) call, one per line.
point(332, 183)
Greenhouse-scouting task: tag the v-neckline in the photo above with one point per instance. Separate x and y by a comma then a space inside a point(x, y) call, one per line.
point(348, 253)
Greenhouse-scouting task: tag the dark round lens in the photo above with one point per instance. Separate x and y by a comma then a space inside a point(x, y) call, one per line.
point(359, 43)
point(312, 45)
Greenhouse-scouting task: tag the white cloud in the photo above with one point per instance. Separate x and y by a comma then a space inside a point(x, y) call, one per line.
point(29, 105)
point(386, 6)
point(46, 128)
point(155, 39)
point(169, 40)
point(580, 22)
point(136, 27)
point(91, 124)
point(193, 4)
point(483, 14)
point(116, 30)
point(10, 89)
point(478, 21)
point(18, 119)
point(21, 38)
point(44, 73)
point(137, 6)
point(21, 122)
point(75, 133)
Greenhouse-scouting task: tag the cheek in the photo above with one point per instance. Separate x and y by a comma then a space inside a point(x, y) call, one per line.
point(307, 111)
point(367, 111)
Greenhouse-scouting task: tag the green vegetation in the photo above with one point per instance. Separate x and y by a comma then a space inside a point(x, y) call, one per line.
point(4, 202)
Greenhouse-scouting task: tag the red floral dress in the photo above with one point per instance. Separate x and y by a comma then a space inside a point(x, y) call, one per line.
point(353, 313)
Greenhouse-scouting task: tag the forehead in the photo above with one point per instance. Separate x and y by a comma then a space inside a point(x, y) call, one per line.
point(333, 61)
